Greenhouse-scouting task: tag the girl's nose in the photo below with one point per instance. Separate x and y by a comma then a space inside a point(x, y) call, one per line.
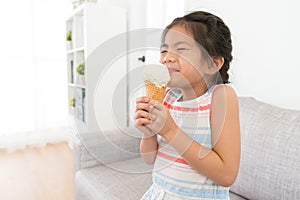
point(169, 58)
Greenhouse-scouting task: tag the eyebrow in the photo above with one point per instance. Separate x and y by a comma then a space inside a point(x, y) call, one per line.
point(176, 44)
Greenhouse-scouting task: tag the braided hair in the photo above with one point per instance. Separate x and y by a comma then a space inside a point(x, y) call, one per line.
point(211, 33)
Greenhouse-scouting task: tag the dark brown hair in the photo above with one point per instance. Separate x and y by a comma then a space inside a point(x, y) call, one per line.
point(211, 33)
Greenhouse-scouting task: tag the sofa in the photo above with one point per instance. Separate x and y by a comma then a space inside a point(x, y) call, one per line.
point(108, 166)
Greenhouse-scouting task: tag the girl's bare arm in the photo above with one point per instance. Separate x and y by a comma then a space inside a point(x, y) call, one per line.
point(149, 144)
point(220, 164)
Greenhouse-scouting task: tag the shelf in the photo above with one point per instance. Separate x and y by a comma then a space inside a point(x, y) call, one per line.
point(75, 50)
point(79, 9)
point(90, 28)
point(76, 85)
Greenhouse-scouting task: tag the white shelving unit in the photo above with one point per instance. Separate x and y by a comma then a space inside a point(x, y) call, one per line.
point(92, 24)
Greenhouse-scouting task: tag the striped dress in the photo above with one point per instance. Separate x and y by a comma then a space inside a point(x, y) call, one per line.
point(173, 177)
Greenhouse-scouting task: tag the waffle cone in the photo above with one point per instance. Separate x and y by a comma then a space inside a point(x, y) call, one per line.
point(154, 92)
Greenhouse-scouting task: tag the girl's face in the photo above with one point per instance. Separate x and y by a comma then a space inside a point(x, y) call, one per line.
point(181, 54)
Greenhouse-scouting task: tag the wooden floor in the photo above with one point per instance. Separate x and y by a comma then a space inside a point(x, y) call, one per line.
point(37, 173)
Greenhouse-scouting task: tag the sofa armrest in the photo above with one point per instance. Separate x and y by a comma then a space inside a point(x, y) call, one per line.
point(97, 148)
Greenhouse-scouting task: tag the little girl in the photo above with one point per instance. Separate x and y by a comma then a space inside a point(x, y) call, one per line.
point(193, 137)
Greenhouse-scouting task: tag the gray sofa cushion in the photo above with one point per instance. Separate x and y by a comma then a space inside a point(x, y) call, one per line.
point(234, 196)
point(108, 182)
point(270, 161)
point(94, 148)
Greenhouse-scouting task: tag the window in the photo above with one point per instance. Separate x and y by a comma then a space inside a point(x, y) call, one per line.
point(33, 65)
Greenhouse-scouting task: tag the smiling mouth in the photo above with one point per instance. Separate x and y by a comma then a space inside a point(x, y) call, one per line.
point(172, 70)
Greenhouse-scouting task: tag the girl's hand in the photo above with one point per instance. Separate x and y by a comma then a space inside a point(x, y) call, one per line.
point(142, 116)
point(152, 117)
point(161, 120)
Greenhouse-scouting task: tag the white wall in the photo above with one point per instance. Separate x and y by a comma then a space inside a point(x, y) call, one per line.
point(144, 14)
point(266, 42)
point(160, 13)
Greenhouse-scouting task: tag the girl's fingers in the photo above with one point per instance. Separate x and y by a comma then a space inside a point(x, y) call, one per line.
point(143, 106)
point(156, 104)
point(143, 99)
point(142, 121)
point(142, 114)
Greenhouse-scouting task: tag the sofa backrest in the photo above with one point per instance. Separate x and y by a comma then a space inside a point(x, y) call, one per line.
point(270, 152)
point(94, 148)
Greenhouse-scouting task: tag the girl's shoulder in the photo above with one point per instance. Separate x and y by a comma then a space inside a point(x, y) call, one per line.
point(223, 89)
point(224, 96)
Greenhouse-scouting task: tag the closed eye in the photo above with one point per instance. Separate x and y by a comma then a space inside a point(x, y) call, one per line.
point(182, 49)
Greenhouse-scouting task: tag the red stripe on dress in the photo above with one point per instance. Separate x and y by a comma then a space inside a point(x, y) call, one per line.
point(179, 160)
point(185, 109)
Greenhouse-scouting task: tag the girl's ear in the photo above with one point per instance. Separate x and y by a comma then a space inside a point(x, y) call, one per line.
point(217, 63)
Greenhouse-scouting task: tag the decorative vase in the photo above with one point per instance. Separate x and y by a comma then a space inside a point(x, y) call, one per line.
point(72, 111)
point(69, 45)
point(80, 79)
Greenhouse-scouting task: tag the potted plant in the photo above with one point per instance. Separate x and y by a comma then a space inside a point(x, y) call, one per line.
point(80, 73)
point(72, 106)
point(69, 40)
point(72, 102)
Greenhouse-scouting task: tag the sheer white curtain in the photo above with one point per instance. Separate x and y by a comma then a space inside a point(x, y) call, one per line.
point(33, 65)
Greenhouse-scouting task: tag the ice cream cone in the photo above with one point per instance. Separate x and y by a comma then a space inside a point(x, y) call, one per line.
point(156, 77)
point(155, 92)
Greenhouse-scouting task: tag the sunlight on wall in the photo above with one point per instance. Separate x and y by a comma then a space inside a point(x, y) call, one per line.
point(32, 55)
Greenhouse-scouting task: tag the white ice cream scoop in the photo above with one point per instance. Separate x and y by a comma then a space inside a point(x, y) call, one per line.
point(157, 73)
